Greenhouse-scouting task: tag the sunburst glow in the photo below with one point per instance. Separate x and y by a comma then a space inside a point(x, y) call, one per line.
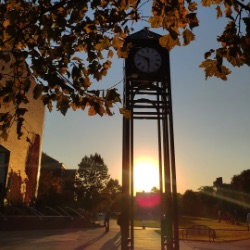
point(146, 174)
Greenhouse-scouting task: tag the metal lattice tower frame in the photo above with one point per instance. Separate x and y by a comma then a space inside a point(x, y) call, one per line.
point(150, 100)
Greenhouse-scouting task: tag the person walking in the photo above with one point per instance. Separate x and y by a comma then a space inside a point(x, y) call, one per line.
point(248, 221)
point(106, 219)
point(120, 221)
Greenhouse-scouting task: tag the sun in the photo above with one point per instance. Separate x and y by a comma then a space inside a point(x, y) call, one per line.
point(146, 174)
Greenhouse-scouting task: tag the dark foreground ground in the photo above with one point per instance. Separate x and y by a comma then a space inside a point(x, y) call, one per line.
point(95, 238)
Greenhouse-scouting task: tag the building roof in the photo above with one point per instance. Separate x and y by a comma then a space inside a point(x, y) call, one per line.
point(49, 162)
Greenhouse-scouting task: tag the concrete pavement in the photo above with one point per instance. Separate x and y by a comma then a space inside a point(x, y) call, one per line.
point(98, 239)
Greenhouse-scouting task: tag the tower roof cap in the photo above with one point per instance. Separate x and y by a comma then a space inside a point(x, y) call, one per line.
point(144, 34)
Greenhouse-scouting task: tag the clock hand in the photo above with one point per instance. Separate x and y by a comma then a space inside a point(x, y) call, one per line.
point(147, 60)
point(149, 63)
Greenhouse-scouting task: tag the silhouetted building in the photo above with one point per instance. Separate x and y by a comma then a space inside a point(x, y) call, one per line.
point(218, 182)
point(56, 185)
point(68, 186)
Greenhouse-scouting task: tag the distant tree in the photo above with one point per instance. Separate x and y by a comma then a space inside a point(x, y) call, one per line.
point(113, 188)
point(207, 201)
point(240, 190)
point(112, 195)
point(241, 182)
point(207, 192)
point(66, 45)
point(91, 179)
point(190, 202)
point(155, 190)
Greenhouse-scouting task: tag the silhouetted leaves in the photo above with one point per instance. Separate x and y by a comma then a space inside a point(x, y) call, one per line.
point(38, 90)
point(66, 45)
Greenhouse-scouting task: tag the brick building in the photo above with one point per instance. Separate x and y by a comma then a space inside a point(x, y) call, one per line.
point(20, 157)
point(56, 184)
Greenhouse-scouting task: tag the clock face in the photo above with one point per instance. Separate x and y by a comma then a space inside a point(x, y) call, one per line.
point(147, 60)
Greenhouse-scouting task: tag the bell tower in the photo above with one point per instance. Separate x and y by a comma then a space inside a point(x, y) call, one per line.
point(147, 95)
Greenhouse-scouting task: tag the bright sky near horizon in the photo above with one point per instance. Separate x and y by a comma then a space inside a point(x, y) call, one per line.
point(211, 120)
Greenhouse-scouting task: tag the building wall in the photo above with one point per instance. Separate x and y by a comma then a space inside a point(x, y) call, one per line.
point(56, 184)
point(25, 152)
point(51, 180)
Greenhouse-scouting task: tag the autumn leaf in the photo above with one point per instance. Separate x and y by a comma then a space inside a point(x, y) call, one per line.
point(102, 44)
point(76, 58)
point(168, 42)
point(38, 90)
point(155, 22)
point(109, 104)
point(192, 20)
point(228, 10)
point(107, 64)
point(112, 95)
point(117, 42)
point(182, 24)
point(110, 53)
point(63, 70)
point(87, 83)
point(234, 58)
point(206, 3)
point(6, 23)
point(208, 54)
point(124, 4)
point(117, 29)
point(219, 12)
point(74, 106)
point(188, 36)
point(5, 117)
point(211, 69)
point(92, 111)
point(192, 6)
point(90, 28)
point(60, 10)
point(21, 111)
point(4, 133)
point(122, 52)
point(125, 112)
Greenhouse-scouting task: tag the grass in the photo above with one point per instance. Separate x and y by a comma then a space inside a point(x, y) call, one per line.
point(224, 231)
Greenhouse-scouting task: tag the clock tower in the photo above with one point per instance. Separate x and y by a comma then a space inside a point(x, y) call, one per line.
point(147, 58)
point(147, 95)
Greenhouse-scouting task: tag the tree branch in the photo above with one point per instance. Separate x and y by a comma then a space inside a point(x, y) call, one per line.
point(242, 5)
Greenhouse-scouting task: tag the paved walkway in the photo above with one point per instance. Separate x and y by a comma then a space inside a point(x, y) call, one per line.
point(98, 239)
